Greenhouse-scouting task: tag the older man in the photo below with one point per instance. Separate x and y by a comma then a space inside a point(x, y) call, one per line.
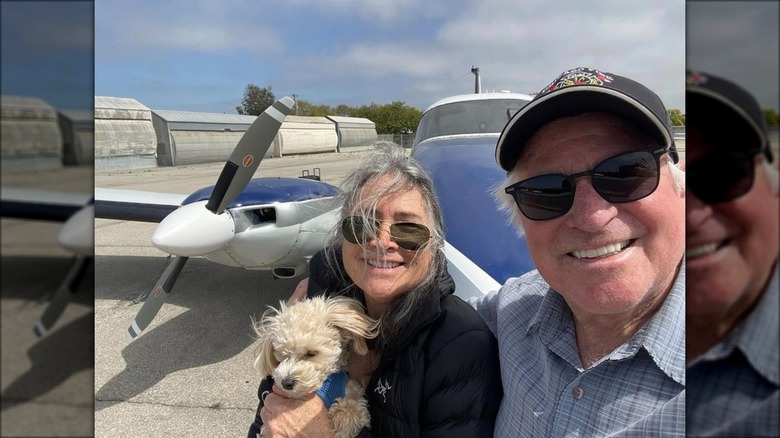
point(732, 257)
point(592, 343)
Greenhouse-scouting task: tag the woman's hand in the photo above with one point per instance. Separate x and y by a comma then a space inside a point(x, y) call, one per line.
point(287, 417)
point(300, 292)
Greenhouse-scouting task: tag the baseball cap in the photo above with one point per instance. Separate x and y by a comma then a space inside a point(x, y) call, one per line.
point(723, 103)
point(580, 90)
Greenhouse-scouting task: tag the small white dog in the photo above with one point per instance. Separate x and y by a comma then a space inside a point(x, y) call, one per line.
point(302, 345)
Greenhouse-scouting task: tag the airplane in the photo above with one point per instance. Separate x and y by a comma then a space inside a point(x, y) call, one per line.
point(77, 236)
point(255, 223)
point(279, 223)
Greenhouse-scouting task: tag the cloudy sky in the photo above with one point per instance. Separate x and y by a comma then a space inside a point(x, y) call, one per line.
point(737, 40)
point(46, 51)
point(199, 55)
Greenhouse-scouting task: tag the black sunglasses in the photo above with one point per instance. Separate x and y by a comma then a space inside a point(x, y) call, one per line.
point(722, 176)
point(621, 178)
point(407, 235)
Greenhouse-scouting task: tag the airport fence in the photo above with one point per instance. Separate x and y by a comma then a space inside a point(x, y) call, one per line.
point(404, 140)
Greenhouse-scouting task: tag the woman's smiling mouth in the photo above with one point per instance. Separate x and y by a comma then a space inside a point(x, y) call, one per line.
point(382, 265)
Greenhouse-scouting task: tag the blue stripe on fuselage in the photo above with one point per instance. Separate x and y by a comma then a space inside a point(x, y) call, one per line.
point(464, 171)
point(267, 190)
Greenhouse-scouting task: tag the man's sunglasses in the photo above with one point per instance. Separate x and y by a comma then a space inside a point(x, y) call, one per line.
point(722, 176)
point(621, 178)
point(407, 235)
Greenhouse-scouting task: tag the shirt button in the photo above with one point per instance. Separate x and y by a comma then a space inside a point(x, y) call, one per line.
point(577, 392)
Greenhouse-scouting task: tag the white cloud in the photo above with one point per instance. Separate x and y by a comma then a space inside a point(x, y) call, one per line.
point(417, 52)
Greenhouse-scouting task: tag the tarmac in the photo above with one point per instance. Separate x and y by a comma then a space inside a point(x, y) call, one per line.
point(47, 383)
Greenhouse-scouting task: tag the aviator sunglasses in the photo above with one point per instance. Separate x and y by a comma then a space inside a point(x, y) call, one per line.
point(618, 179)
point(722, 176)
point(407, 235)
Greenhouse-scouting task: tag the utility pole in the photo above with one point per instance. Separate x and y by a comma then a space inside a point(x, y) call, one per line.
point(477, 83)
point(295, 100)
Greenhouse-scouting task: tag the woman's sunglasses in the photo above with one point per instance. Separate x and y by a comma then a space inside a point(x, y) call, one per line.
point(407, 235)
point(721, 177)
point(621, 178)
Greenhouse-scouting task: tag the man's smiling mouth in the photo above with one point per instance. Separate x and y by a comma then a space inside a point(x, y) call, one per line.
point(604, 251)
point(707, 248)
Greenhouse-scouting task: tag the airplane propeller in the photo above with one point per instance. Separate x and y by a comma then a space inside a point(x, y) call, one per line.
point(63, 294)
point(203, 227)
point(77, 235)
point(247, 155)
point(158, 296)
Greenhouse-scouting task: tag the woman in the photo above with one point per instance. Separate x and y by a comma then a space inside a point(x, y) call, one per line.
point(433, 370)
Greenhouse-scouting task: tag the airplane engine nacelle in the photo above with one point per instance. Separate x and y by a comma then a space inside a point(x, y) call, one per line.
point(281, 238)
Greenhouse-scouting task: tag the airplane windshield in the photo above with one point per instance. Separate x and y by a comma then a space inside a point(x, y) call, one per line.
point(468, 117)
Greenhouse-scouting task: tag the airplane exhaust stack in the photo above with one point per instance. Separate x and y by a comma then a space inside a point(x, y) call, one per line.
point(477, 83)
point(290, 272)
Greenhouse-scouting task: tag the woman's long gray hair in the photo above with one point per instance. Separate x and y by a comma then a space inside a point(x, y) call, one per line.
point(404, 174)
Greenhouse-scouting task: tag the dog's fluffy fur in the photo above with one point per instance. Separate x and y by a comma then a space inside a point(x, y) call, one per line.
point(302, 344)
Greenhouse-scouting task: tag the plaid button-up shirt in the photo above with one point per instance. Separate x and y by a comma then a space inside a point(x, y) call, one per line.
point(637, 390)
point(734, 386)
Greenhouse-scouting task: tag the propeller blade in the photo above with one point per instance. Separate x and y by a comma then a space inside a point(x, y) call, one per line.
point(158, 296)
point(63, 295)
point(249, 151)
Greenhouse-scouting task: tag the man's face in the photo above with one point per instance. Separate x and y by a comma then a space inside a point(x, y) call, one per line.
point(731, 246)
point(624, 281)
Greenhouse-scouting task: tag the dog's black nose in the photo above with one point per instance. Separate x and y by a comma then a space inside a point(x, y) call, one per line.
point(288, 383)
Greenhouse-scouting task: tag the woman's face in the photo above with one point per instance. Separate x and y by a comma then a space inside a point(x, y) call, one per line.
point(380, 267)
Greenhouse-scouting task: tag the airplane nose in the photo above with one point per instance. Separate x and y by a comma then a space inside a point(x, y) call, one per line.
point(78, 232)
point(193, 230)
point(288, 383)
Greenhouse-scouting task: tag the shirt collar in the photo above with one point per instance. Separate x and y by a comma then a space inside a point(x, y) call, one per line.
point(757, 336)
point(663, 336)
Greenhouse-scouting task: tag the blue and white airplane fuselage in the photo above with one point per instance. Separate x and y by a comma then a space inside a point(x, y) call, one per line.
point(274, 223)
point(456, 141)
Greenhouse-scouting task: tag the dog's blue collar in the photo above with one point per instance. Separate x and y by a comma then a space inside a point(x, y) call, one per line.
point(335, 386)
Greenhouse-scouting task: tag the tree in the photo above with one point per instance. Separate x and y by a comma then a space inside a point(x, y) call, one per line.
point(256, 100)
point(771, 117)
point(393, 118)
point(303, 107)
point(676, 117)
point(321, 111)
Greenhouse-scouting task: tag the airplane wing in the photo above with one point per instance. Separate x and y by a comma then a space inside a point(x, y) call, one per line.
point(41, 204)
point(135, 205)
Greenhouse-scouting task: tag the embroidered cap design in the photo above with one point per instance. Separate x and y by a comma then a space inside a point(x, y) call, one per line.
point(578, 76)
